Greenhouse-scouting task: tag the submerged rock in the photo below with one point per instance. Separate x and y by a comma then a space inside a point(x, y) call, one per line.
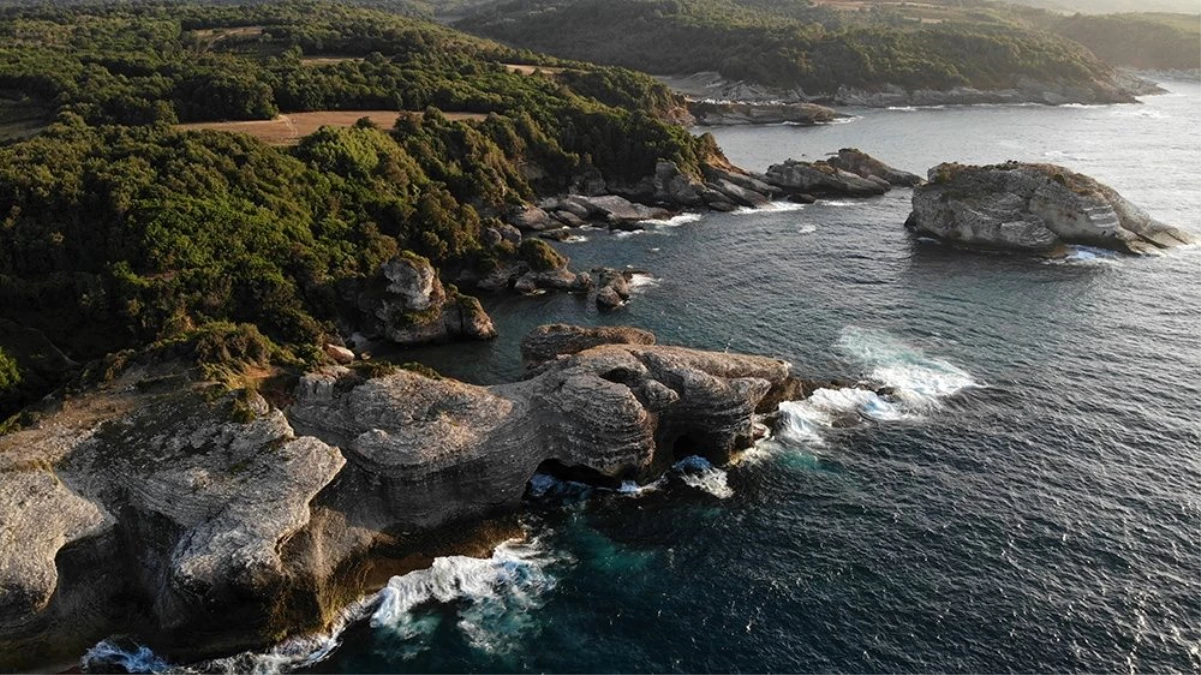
point(1037, 208)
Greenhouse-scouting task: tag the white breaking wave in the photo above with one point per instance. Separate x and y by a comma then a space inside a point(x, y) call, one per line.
point(697, 472)
point(915, 376)
point(132, 658)
point(498, 595)
point(676, 221)
point(1087, 255)
point(914, 382)
point(639, 281)
point(807, 229)
point(843, 120)
point(770, 207)
point(694, 471)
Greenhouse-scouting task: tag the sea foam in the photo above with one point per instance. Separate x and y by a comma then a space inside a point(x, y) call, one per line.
point(913, 384)
point(494, 598)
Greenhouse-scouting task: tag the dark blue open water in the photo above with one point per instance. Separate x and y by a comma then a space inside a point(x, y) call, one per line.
point(1034, 504)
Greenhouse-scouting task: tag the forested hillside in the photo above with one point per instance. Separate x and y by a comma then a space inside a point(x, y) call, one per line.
point(793, 44)
point(1148, 41)
point(119, 230)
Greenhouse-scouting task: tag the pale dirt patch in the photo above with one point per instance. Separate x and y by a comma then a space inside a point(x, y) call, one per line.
point(530, 70)
point(289, 129)
point(318, 61)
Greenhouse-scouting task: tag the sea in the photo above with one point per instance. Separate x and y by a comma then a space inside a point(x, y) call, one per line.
point(1030, 501)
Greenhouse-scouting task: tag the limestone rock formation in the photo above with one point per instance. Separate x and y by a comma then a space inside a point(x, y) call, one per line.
point(713, 86)
point(532, 219)
point(862, 164)
point(613, 287)
point(735, 113)
point(823, 179)
point(204, 521)
point(671, 186)
point(408, 305)
point(539, 267)
point(1037, 208)
point(183, 500)
point(422, 452)
point(545, 343)
point(614, 210)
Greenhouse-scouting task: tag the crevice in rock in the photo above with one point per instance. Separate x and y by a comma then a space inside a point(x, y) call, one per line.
point(576, 473)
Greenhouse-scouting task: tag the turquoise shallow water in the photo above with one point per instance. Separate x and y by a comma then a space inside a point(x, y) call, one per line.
point(1031, 504)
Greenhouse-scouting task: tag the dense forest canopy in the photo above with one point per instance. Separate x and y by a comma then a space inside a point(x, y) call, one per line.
point(785, 43)
point(1116, 6)
point(118, 230)
point(1147, 41)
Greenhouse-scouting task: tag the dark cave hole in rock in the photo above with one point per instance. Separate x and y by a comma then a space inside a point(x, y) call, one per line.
point(687, 445)
point(576, 474)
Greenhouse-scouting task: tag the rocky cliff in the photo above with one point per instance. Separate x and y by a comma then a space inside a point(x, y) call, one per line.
point(407, 304)
point(205, 521)
point(1038, 208)
point(712, 86)
point(737, 113)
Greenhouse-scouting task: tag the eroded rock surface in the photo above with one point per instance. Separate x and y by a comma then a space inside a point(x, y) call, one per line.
point(546, 343)
point(860, 163)
point(407, 305)
point(180, 504)
point(1036, 208)
point(204, 521)
point(823, 179)
point(738, 113)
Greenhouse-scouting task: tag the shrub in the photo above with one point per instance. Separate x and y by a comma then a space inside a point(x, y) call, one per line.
point(541, 256)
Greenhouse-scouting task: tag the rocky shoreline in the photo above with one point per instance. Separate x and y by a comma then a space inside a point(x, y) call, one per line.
point(708, 113)
point(712, 86)
point(205, 520)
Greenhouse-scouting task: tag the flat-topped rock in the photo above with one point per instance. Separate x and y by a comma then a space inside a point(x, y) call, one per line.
point(1037, 208)
point(546, 343)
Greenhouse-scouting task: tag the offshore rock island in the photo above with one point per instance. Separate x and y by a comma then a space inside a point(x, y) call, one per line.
point(1037, 208)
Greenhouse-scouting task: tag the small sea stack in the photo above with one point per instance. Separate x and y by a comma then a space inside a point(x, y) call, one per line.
point(1035, 208)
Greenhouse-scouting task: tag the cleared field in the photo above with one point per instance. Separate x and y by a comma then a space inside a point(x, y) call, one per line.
point(289, 129)
point(20, 119)
point(223, 33)
point(317, 61)
point(21, 129)
point(530, 70)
